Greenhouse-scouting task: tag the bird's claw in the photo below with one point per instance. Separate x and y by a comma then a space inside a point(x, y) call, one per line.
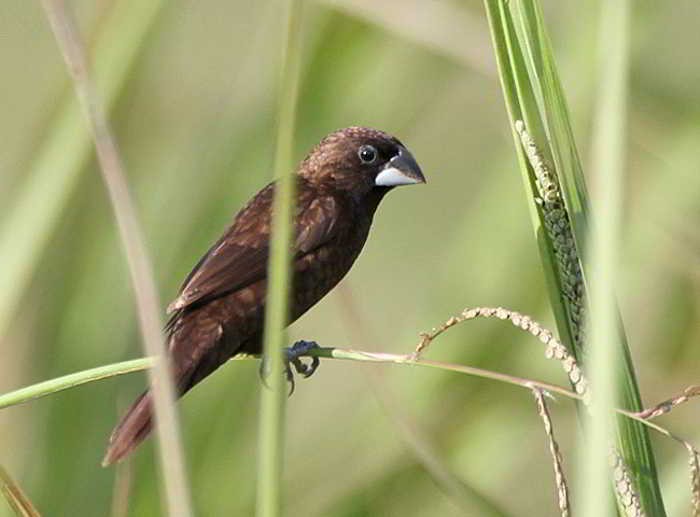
point(292, 358)
point(294, 354)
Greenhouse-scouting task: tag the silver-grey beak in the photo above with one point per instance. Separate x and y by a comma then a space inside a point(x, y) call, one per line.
point(402, 169)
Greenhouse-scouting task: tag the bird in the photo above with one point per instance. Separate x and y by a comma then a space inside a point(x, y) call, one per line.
point(219, 310)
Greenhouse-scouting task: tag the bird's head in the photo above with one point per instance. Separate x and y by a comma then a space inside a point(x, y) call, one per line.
point(361, 160)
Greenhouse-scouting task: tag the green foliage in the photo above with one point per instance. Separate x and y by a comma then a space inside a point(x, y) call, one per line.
point(195, 124)
point(534, 95)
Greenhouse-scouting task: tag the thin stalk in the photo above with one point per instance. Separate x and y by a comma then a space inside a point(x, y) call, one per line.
point(140, 270)
point(73, 380)
point(608, 165)
point(273, 399)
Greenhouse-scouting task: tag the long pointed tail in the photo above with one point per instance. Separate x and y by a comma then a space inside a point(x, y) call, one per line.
point(190, 367)
point(133, 428)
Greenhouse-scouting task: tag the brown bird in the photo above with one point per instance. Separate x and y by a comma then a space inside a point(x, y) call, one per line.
point(220, 308)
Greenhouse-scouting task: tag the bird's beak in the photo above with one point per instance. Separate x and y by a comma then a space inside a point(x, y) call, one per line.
point(402, 169)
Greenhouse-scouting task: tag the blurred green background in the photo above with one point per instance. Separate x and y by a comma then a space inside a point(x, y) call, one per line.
point(195, 123)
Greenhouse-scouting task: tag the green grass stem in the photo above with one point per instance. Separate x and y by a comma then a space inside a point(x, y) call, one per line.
point(74, 380)
point(604, 241)
point(273, 399)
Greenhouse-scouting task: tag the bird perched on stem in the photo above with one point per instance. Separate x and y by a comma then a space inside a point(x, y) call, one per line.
point(220, 308)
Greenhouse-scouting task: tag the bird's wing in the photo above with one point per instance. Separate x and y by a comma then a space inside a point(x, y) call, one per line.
point(240, 257)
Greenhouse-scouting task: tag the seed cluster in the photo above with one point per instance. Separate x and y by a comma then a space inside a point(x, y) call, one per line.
point(554, 348)
point(558, 227)
point(624, 484)
point(628, 497)
point(694, 464)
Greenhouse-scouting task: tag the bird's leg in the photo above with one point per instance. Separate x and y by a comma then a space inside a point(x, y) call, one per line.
point(296, 352)
point(292, 357)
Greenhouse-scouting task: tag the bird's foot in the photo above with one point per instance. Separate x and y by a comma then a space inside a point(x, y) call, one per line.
point(292, 358)
point(296, 352)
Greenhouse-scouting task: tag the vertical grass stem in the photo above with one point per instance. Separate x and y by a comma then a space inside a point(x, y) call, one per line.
point(270, 460)
point(608, 166)
point(140, 270)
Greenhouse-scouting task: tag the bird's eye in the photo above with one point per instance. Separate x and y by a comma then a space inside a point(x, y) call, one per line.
point(367, 154)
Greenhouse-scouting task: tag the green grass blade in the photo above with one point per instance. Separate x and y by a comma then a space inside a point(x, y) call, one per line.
point(270, 461)
point(72, 380)
point(602, 258)
point(634, 439)
point(533, 93)
point(556, 121)
point(521, 105)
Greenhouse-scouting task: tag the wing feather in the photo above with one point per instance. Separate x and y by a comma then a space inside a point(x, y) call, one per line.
point(240, 257)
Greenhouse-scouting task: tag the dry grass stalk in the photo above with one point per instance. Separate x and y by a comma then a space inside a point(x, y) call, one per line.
point(555, 349)
point(15, 496)
point(121, 491)
point(560, 479)
point(667, 405)
point(629, 497)
point(140, 271)
point(693, 461)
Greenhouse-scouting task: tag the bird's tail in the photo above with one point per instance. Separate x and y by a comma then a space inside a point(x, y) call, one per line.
point(138, 421)
point(133, 428)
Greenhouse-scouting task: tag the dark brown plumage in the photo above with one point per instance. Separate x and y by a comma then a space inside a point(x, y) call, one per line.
point(220, 308)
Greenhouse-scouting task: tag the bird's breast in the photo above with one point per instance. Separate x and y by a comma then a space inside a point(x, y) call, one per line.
point(318, 272)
